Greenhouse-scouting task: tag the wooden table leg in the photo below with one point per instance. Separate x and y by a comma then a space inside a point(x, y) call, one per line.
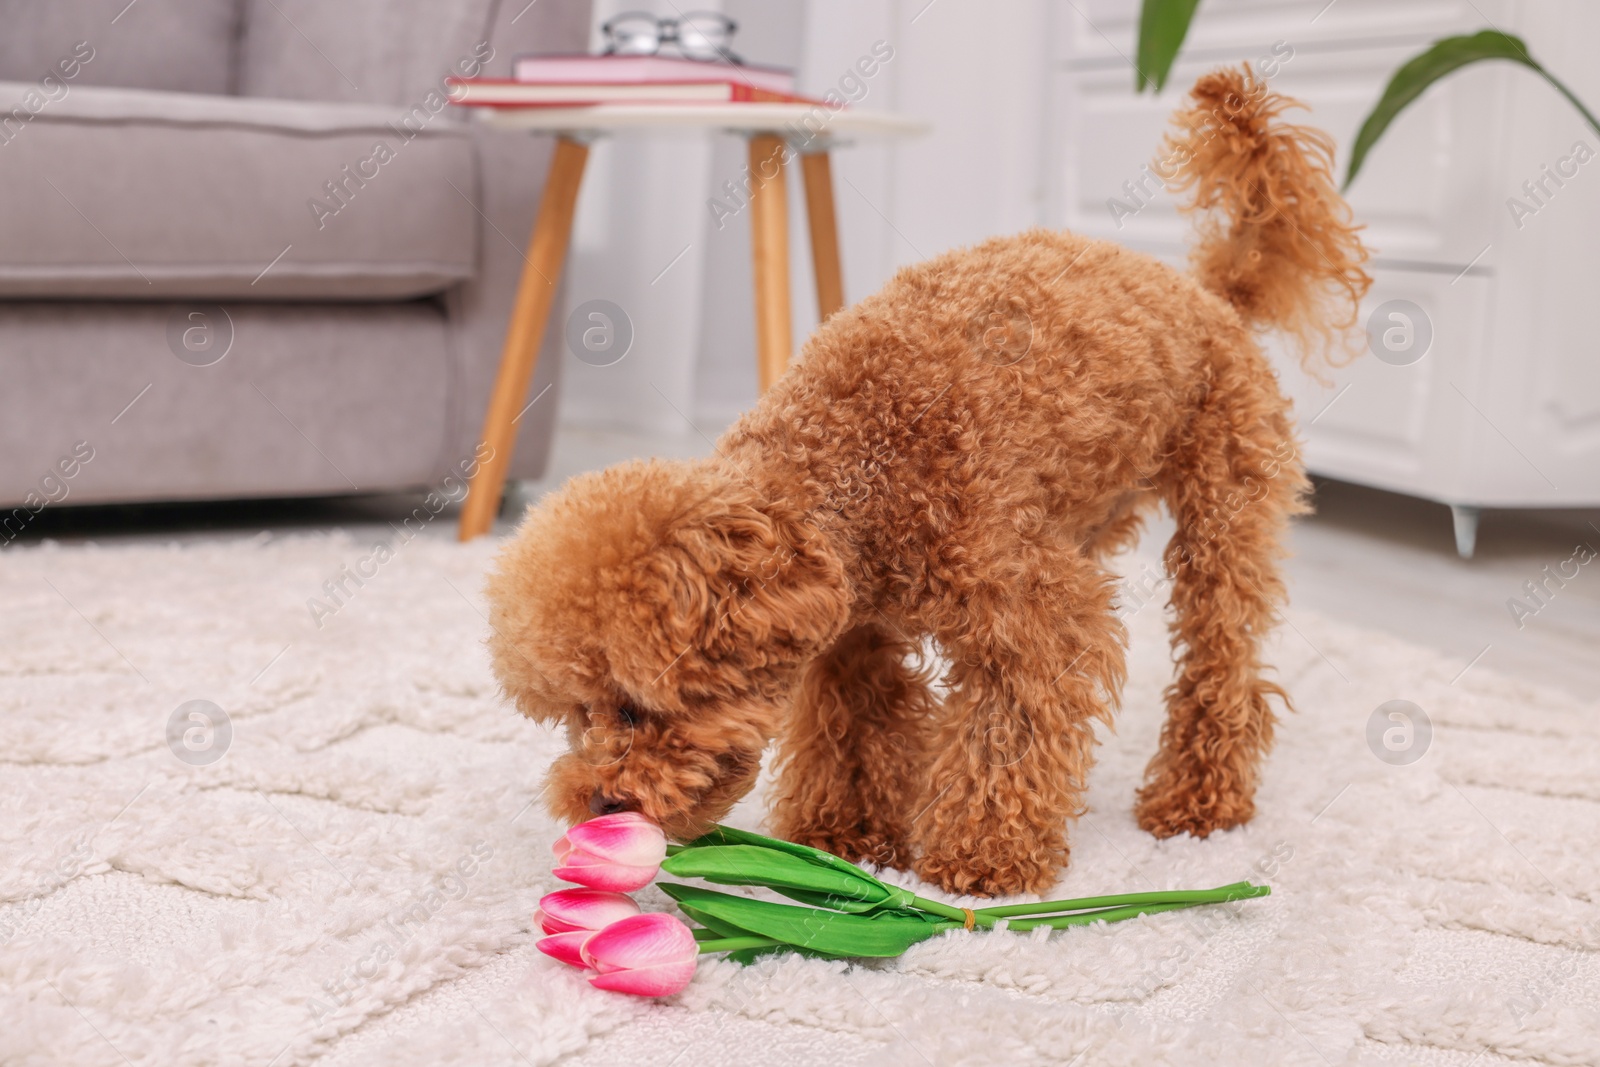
point(818, 173)
point(536, 292)
point(769, 247)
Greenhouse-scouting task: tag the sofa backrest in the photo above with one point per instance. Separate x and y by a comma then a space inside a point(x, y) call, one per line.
point(372, 51)
point(186, 45)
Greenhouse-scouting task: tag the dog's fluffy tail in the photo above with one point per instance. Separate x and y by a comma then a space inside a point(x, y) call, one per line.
point(1279, 244)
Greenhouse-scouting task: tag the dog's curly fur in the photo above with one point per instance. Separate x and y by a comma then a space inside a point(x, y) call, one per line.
point(952, 459)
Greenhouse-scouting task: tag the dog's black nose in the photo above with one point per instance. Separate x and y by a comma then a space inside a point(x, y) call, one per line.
point(601, 804)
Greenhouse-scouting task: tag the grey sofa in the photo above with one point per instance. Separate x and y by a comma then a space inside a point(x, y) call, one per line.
point(244, 250)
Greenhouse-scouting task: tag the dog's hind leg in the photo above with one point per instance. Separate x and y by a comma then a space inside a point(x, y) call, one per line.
point(852, 747)
point(1036, 656)
point(1233, 481)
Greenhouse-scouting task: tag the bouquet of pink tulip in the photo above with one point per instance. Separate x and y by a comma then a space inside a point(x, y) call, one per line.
point(847, 913)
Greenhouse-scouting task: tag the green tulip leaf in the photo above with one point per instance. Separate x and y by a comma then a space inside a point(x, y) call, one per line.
point(897, 906)
point(714, 928)
point(1163, 24)
point(746, 955)
point(1443, 57)
point(851, 890)
point(813, 929)
point(728, 835)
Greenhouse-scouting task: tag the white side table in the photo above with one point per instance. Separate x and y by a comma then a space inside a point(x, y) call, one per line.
point(774, 131)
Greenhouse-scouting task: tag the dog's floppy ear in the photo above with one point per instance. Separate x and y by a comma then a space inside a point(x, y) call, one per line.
point(740, 592)
point(675, 583)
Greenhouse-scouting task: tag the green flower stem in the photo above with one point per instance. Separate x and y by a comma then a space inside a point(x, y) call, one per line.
point(1236, 891)
point(1164, 900)
point(734, 944)
point(934, 907)
point(1082, 918)
point(1107, 915)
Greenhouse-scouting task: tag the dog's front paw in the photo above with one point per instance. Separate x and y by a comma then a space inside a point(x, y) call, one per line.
point(858, 845)
point(989, 871)
point(1167, 810)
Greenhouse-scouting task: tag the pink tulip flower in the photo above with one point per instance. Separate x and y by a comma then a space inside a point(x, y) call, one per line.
point(618, 852)
point(568, 910)
point(650, 955)
point(567, 947)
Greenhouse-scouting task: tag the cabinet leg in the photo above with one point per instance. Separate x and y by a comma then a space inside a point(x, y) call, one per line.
point(1465, 519)
point(536, 292)
point(510, 501)
point(769, 249)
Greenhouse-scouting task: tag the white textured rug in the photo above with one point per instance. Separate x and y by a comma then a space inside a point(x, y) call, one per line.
point(352, 881)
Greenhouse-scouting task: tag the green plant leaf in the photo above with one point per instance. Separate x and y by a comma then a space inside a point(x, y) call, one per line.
point(1443, 57)
point(1163, 24)
point(852, 890)
point(825, 932)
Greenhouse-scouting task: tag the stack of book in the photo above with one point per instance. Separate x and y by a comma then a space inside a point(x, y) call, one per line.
point(584, 80)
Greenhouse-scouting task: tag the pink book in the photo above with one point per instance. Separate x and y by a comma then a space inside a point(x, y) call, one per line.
point(634, 70)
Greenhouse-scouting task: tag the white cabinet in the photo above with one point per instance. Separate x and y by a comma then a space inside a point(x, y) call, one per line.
point(1503, 409)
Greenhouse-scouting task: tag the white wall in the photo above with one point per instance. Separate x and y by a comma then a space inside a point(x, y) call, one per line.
point(639, 208)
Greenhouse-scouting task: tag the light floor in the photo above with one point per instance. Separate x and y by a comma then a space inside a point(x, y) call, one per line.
point(1367, 557)
point(1370, 559)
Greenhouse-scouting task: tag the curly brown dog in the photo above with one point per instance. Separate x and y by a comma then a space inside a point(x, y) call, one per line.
point(953, 458)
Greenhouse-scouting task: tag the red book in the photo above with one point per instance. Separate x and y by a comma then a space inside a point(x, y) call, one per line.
point(504, 92)
point(607, 70)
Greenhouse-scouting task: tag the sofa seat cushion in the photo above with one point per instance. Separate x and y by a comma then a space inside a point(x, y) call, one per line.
point(301, 400)
point(136, 194)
